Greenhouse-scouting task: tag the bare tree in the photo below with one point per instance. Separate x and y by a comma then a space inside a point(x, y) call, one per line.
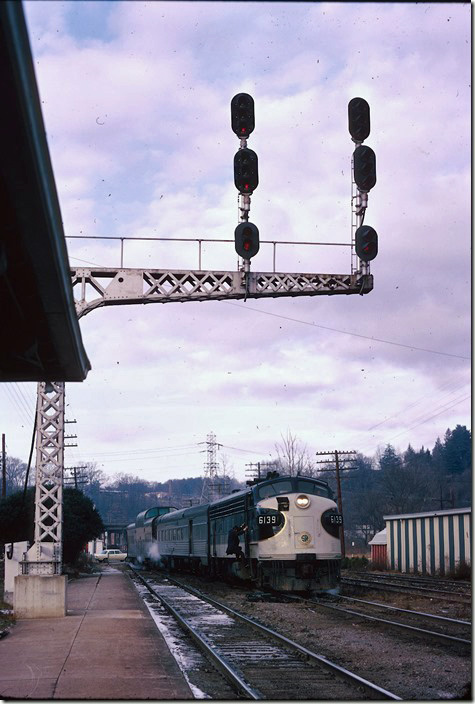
point(15, 471)
point(293, 457)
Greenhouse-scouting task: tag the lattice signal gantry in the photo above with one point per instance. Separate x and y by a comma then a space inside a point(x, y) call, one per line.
point(94, 288)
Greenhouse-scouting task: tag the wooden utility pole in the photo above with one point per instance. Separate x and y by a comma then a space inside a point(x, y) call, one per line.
point(76, 478)
point(336, 454)
point(4, 468)
point(253, 465)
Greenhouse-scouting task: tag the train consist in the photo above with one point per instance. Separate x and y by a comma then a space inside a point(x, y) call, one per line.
point(288, 528)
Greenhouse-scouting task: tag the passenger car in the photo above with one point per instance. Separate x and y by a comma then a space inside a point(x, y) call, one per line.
point(111, 556)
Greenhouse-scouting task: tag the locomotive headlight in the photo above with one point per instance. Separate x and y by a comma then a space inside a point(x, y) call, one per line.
point(302, 501)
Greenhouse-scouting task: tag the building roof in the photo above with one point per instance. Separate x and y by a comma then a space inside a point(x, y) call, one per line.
point(380, 538)
point(429, 514)
point(41, 338)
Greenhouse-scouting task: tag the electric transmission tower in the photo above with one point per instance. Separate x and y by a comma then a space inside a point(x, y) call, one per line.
point(212, 486)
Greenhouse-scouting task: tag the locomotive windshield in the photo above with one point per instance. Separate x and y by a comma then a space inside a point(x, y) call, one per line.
point(267, 490)
point(293, 484)
point(309, 487)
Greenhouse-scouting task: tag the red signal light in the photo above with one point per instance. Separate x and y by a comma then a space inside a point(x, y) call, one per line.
point(246, 240)
point(366, 243)
point(242, 114)
point(246, 178)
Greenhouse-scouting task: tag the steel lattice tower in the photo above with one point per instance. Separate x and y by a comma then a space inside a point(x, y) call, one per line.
point(211, 485)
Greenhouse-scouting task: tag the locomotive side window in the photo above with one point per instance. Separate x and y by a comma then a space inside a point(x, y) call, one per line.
point(154, 527)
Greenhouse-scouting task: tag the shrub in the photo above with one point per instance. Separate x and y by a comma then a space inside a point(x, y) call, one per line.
point(461, 571)
point(378, 565)
point(354, 563)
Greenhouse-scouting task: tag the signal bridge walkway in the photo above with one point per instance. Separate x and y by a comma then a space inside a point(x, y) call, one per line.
point(107, 647)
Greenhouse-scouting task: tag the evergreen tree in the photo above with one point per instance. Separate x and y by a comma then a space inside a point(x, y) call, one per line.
point(404, 486)
point(81, 521)
point(458, 450)
point(17, 517)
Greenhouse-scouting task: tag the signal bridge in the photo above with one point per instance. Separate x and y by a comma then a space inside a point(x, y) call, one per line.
point(98, 286)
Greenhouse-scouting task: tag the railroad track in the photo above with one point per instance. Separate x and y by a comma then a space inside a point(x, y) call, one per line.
point(440, 584)
point(449, 630)
point(410, 587)
point(258, 662)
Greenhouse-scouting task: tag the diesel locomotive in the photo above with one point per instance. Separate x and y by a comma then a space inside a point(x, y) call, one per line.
point(289, 535)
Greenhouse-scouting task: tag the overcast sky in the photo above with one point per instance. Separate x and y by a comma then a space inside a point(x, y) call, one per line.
point(136, 102)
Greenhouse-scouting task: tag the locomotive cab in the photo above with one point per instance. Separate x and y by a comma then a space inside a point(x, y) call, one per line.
point(294, 534)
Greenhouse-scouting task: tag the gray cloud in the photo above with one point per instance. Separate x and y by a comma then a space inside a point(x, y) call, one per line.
point(141, 145)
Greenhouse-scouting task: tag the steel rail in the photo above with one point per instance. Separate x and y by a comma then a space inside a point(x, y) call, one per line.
point(320, 659)
point(387, 622)
point(399, 587)
point(223, 667)
point(446, 585)
point(407, 611)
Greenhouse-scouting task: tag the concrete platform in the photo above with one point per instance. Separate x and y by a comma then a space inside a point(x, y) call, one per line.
point(106, 647)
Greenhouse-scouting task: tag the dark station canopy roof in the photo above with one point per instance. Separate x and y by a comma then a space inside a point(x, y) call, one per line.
point(40, 338)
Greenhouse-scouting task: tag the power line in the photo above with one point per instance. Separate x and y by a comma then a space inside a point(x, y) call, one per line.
point(20, 402)
point(141, 457)
point(29, 403)
point(16, 403)
point(345, 332)
point(445, 406)
point(143, 451)
point(406, 408)
point(430, 417)
point(134, 454)
point(240, 449)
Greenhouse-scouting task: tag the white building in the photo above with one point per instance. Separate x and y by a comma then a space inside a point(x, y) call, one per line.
point(433, 542)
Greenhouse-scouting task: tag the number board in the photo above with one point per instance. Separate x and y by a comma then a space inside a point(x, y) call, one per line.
point(272, 519)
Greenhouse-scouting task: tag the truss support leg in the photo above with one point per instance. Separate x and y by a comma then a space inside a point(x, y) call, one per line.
point(41, 597)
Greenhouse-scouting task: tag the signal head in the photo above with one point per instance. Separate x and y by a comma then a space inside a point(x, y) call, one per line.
point(364, 166)
point(242, 115)
point(358, 119)
point(246, 240)
point(246, 177)
point(366, 243)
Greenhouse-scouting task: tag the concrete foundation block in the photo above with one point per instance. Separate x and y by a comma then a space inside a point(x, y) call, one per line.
point(40, 596)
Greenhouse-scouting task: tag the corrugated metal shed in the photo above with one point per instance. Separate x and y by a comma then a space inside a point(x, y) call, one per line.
point(378, 548)
point(430, 542)
point(380, 538)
